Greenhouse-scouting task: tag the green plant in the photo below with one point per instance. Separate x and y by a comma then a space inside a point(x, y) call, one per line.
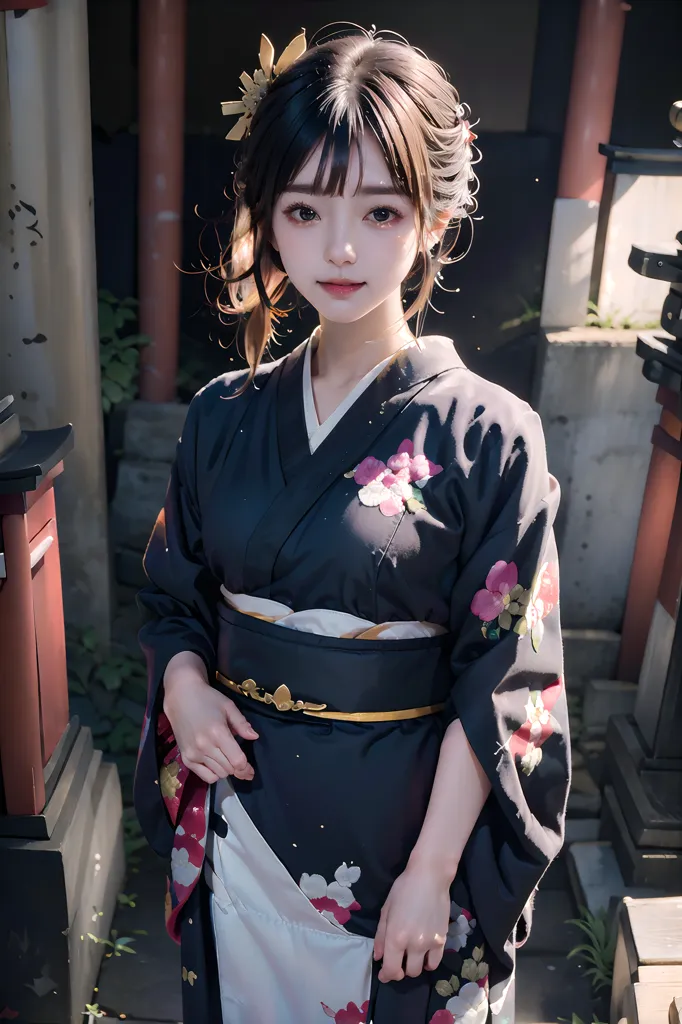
point(529, 313)
point(575, 1019)
point(594, 319)
point(117, 945)
point(108, 687)
point(600, 948)
point(119, 348)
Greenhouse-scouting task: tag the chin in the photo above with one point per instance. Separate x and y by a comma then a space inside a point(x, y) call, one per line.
point(341, 311)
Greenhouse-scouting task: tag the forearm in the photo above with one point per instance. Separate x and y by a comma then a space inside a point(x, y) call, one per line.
point(184, 667)
point(460, 790)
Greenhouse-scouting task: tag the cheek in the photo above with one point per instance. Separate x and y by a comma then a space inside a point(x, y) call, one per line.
point(394, 250)
point(295, 247)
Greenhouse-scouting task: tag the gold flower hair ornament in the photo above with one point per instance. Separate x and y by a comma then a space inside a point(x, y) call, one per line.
point(253, 88)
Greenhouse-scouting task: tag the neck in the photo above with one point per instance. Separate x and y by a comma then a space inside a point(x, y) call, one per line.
point(346, 352)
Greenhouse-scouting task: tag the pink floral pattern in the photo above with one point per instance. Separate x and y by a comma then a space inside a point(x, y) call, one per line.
point(396, 484)
point(335, 900)
point(352, 1014)
point(500, 583)
point(504, 604)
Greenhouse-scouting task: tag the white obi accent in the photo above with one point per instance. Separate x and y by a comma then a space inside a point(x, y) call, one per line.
point(279, 959)
point(327, 622)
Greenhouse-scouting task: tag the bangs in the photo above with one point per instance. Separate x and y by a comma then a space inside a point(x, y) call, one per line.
point(332, 120)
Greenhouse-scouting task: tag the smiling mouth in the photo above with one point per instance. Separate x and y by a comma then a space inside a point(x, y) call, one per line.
point(341, 287)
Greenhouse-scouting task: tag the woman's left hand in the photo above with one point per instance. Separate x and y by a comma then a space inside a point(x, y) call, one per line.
point(413, 925)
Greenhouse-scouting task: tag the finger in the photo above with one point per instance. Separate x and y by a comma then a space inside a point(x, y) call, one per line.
point(246, 773)
point(415, 964)
point(217, 762)
point(238, 723)
point(233, 752)
point(214, 755)
point(380, 937)
point(434, 957)
point(199, 769)
point(221, 769)
point(392, 967)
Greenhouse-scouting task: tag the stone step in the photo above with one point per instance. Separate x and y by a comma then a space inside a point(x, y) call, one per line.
point(596, 878)
point(549, 988)
point(140, 494)
point(584, 799)
point(589, 654)
point(603, 698)
point(152, 430)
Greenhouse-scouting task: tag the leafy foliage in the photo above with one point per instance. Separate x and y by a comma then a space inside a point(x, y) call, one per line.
point(600, 948)
point(108, 688)
point(529, 314)
point(117, 945)
point(119, 348)
point(575, 1019)
point(595, 319)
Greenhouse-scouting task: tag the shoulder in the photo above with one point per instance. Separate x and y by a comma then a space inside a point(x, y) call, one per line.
point(480, 413)
point(228, 395)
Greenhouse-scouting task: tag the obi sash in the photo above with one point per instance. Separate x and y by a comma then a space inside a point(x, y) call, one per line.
point(279, 670)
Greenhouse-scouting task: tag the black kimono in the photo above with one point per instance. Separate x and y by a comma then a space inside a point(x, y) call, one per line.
point(427, 506)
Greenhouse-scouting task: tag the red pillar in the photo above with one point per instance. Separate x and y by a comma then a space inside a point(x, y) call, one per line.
point(161, 118)
point(653, 534)
point(592, 97)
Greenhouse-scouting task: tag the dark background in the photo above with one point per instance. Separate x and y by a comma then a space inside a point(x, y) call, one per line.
point(511, 62)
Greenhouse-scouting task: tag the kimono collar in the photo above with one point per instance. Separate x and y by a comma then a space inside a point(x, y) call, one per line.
point(367, 416)
point(308, 475)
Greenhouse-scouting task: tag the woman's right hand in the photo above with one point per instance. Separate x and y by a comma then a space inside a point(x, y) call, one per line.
point(205, 722)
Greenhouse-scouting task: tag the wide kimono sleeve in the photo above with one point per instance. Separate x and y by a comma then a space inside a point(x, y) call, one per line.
point(507, 667)
point(180, 606)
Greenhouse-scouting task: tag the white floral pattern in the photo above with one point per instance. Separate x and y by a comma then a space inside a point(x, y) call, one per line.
point(334, 900)
point(470, 1005)
point(461, 927)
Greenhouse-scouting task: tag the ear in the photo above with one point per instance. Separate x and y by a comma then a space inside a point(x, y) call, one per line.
point(438, 228)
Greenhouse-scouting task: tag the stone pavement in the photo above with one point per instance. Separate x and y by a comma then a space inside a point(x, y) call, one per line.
point(145, 986)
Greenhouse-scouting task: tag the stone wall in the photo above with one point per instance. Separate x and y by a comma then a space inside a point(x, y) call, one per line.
point(598, 413)
point(150, 437)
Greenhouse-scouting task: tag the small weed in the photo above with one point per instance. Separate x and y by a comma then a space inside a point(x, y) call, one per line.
point(595, 319)
point(575, 1019)
point(529, 313)
point(600, 948)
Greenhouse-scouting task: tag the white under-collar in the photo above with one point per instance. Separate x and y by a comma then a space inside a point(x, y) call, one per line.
point(318, 431)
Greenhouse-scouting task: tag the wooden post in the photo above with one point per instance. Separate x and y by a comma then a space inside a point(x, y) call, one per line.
point(653, 533)
point(592, 97)
point(162, 115)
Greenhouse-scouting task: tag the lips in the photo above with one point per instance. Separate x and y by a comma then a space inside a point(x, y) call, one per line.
point(340, 288)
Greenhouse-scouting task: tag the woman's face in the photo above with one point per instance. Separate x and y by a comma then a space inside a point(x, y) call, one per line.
point(350, 253)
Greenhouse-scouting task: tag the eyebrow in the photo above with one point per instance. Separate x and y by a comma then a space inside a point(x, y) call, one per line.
point(366, 190)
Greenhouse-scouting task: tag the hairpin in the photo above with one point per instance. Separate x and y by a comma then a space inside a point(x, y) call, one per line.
point(469, 136)
point(253, 88)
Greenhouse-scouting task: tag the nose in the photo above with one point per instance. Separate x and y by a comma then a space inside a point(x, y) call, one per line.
point(339, 248)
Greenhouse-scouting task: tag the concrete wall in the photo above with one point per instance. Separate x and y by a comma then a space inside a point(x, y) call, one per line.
point(598, 412)
point(646, 210)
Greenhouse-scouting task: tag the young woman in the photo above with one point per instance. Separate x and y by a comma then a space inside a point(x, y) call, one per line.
point(355, 753)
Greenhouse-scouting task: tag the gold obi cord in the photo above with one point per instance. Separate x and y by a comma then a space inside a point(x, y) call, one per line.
point(282, 700)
